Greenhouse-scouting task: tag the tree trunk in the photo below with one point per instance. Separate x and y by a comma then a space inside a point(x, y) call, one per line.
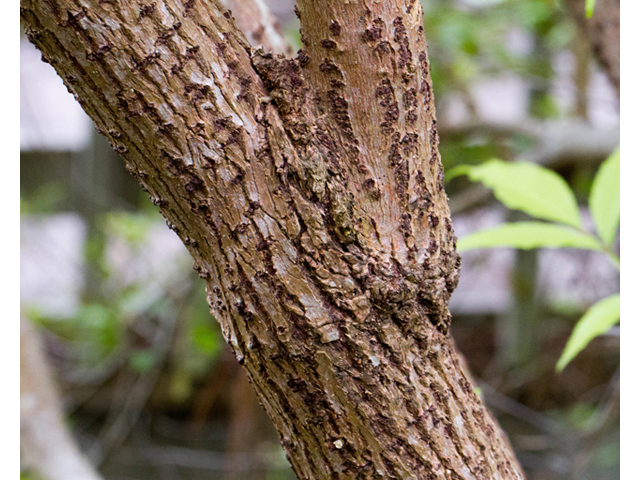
point(603, 32)
point(310, 194)
point(46, 447)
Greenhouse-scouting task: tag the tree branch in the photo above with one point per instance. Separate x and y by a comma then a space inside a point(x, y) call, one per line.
point(45, 443)
point(310, 194)
point(557, 143)
point(603, 31)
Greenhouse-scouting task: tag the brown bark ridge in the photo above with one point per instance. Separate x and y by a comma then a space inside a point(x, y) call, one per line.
point(310, 194)
point(603, 32)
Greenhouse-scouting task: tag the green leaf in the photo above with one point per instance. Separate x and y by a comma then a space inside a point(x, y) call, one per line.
point(143, 360)
point(589, 5)
point(528, 235)
point(132, 227)
point(599, 318)
point(526, 186)
point(604, 201)
point(205, 339)
point(458, 171)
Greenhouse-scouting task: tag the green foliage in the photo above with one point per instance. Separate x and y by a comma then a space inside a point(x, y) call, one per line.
point(97, 331)
point(47, 198)
point(143, 360)
point(205, 338)
point(29, 475)
point(478, 392)
point(94, 250)
point(132, 227)
point(581, 416)
point(599, 318)
point(106, 328)
point(474, 42)
point(528, 187)
point(581, 180)
point(607, 456)
point(471, 150)
point(545, 106)
point(543, 194)
point(528, 235)
point(604, 201)
point(589, 5)
point(476, 39)
point(291, 34)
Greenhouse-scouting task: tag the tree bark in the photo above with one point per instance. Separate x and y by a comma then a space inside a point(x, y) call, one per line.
point(310, 194)
point(603, 32)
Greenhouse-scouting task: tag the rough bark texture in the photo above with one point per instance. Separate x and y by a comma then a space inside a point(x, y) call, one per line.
point(310, 194)
point(603, 31)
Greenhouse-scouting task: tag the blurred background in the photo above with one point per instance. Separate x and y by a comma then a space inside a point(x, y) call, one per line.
point(149, 388)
